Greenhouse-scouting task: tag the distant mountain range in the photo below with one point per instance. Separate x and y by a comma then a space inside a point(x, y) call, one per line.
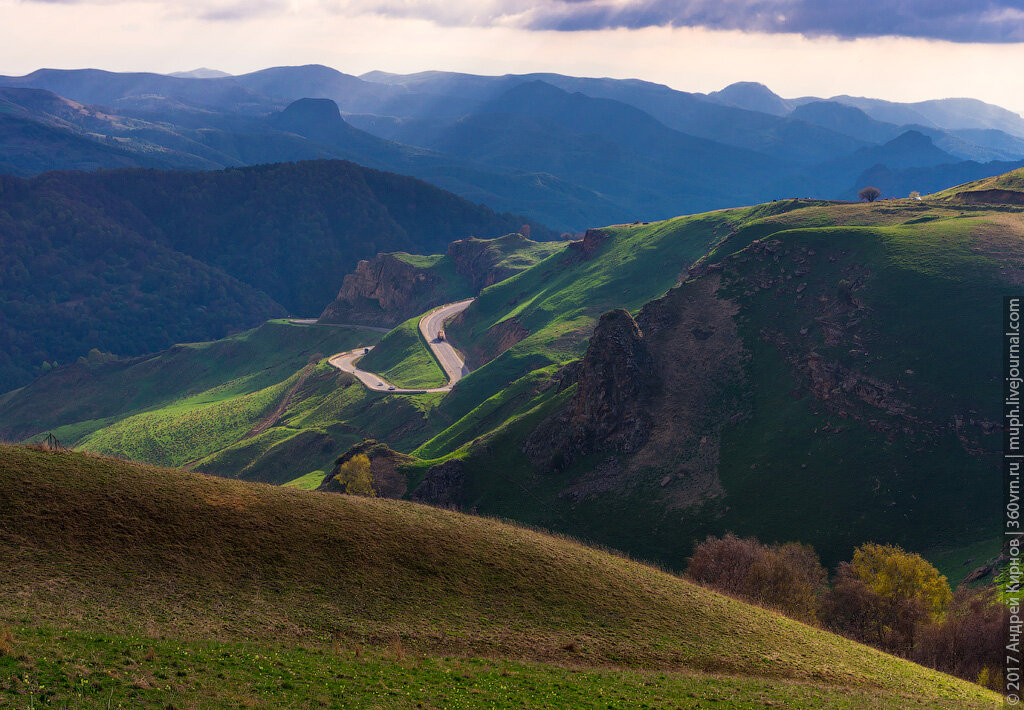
point(571, 152)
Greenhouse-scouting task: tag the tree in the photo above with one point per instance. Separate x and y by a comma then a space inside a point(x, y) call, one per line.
point(869, 193)
point(355, 476)
point(884, 594)
point(525, 230)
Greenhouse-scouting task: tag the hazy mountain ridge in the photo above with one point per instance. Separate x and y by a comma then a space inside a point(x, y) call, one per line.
point(570, 169)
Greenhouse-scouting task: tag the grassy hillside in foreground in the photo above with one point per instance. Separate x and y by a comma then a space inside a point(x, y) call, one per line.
point(169, 561)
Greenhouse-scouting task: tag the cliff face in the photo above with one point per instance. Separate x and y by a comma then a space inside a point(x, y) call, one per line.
point(608, 412)
point(652, 396)
point(384, 291)
point(389, 289)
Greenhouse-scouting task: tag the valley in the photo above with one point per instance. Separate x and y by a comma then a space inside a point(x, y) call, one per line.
point(733, 320)
point(455, 390)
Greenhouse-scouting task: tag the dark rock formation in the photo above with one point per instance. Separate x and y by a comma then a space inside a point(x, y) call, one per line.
point(584, 249)
point(1001, 197)
point(384, 291)
point(389, 289)
point(607, 412)
point(442, 485)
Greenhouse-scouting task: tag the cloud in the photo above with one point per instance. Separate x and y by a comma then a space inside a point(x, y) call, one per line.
point(979, 21)
point(213, 10)
point(987, 21)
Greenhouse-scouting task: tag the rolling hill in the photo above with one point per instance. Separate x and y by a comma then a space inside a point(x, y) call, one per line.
point(821, 315)
point(793, 367)
point(195, 589)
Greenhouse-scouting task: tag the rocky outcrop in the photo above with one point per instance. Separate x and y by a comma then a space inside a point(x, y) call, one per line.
point(385, 291)
point(391, 288)
point(442, 486)
point(652, 398)
point(607, 412)
point(484, 262)
point(584, 249)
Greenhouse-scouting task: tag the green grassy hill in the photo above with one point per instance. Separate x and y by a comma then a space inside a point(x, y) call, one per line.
point(201, 403)
point(545, 314)
point(826, 372)
point(1012, 181)
point(865, 344)
point(404, 359)
point(180, 587)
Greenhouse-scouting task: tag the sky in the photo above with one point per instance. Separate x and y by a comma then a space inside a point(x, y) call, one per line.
point(903, 50)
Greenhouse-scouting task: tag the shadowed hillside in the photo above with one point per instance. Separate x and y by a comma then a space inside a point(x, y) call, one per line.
point(132, 261)
point(177, 555)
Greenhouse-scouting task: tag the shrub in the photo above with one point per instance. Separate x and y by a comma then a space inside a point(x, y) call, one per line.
point(788, 578)
point(869, 193)
point(968, 641)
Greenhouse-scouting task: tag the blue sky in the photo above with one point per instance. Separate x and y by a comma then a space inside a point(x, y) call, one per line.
point(901, 50)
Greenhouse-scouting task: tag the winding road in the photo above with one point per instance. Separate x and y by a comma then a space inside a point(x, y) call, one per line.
point(451, 362)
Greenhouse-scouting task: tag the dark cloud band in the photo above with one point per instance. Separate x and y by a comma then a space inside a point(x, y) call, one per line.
point(975, 21)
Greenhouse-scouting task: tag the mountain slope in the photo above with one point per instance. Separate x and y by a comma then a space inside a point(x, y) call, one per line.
point(606, 146)
point(133, 89)
point(822, 354)
point(824, 375)
point(271, 564)
point(133, 261)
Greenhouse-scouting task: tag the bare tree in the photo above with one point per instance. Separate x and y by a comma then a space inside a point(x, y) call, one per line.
point(869, 193)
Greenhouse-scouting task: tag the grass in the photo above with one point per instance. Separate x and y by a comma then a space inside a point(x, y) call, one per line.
point(176, 578)
point(404, 359)
point(934, 278)
point(308, 482)
point(118, 671)
point(188, 430)
point(1013, 180)
point(195, 404)
point(956, 562)
point(217, 370)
